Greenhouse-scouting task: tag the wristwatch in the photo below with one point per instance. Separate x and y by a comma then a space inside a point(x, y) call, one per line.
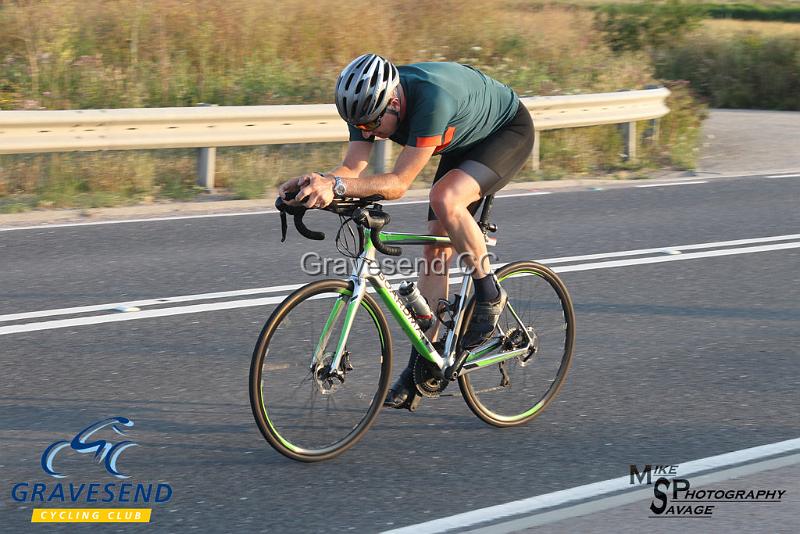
point(338, 186)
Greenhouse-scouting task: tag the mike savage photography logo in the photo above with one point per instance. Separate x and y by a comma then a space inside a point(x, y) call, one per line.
point(674, 497)
point(105, 451)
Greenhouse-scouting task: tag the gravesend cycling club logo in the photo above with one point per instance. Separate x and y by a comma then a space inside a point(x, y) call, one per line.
point(675, 497)
point(103, 450)
point(100, 443)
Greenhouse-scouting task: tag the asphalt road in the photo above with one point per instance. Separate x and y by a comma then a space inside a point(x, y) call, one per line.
point(675, 361)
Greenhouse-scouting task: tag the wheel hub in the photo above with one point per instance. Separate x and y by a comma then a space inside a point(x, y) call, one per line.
point(328, 382)
point(534, 348)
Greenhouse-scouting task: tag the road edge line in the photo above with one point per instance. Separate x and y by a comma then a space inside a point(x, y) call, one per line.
point(592, 490)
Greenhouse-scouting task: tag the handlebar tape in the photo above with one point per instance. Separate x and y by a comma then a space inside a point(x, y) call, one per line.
point(374, 220)
point(389, 250)
point(298, 212)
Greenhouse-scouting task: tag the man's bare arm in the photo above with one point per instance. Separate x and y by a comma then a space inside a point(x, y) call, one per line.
point(317, 190)
point(391, 185)
point(355, 161)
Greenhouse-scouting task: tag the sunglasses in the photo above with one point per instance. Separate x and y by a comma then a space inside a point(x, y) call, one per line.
point(375, 124)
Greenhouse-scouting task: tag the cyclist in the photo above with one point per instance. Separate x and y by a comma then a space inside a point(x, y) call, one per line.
point(484, 136)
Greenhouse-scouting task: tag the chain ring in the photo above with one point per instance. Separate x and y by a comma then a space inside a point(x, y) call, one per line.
point(426, 383)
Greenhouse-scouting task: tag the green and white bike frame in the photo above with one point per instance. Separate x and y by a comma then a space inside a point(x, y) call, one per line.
point(366, 268)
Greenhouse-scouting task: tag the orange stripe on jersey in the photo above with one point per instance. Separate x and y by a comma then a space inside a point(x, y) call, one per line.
point(429, 141)
point(448, 138)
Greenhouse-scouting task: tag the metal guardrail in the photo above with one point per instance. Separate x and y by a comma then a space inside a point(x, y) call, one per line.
point(24, 132)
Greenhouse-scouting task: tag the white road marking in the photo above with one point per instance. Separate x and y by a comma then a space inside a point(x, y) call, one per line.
point(784, 176)
point(235, 214)
point(150, 302)
point(245, 303)
point(669, 249)
point(674, 183)
point(121, 306)
point(132, 316)
point(595, 490)
point(126, 221)
point(682, 257)
point(606, 503)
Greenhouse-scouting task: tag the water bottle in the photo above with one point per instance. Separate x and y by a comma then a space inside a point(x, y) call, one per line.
point(416, 304)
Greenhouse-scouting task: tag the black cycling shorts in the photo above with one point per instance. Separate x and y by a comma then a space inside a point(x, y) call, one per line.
point(495, 160)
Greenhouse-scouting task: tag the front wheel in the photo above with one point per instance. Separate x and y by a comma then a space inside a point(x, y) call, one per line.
point(304, 411)
point(539, 311)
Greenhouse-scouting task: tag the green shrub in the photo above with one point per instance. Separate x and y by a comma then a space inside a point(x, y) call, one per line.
point(747, 71)
point(632, 27)
point(751, 12)
point(678, 133)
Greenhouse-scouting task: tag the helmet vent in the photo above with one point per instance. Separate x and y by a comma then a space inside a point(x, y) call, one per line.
point(364, 88)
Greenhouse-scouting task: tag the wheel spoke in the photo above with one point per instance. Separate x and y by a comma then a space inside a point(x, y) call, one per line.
point(539, 300)
point(301, 412)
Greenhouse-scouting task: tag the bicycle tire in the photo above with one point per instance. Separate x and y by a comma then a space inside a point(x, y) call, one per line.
point(488, 403)
point(273, 366)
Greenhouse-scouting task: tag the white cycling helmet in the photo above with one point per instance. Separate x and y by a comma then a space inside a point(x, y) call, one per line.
point(365, 87)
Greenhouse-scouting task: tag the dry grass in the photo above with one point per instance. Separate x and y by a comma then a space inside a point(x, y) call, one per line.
point(131, 53)
point(72, 54)
point(592, 3)
point(728, 28)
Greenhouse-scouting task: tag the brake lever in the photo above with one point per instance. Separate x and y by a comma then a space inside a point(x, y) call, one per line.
point(284, 226)
point(298, 212)
point(283, 207)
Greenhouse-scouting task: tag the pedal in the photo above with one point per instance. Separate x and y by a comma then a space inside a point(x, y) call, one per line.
point(412, 407)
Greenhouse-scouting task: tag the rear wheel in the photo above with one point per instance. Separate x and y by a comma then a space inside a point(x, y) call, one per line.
point(304, 411)
point(515, 391)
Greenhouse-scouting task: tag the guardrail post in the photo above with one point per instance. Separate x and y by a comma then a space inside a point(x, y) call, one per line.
point(653, 125)
point(381, 154)
point(652, 131)
point(629, 132)
point(206, 164)
point(536, 153)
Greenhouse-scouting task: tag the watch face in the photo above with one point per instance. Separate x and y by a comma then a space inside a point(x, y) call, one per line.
point(338, 187)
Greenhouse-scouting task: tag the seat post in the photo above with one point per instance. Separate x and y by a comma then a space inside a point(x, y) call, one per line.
point(487, 207)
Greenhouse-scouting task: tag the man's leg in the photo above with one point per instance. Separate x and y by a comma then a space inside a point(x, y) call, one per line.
point(450, 200)
point(433, 285)
point(433, 282)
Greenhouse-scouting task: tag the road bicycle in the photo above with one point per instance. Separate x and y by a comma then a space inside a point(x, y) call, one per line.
point(322, 364)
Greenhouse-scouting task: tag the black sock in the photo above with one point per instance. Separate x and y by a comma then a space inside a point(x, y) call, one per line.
point(485, 288)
